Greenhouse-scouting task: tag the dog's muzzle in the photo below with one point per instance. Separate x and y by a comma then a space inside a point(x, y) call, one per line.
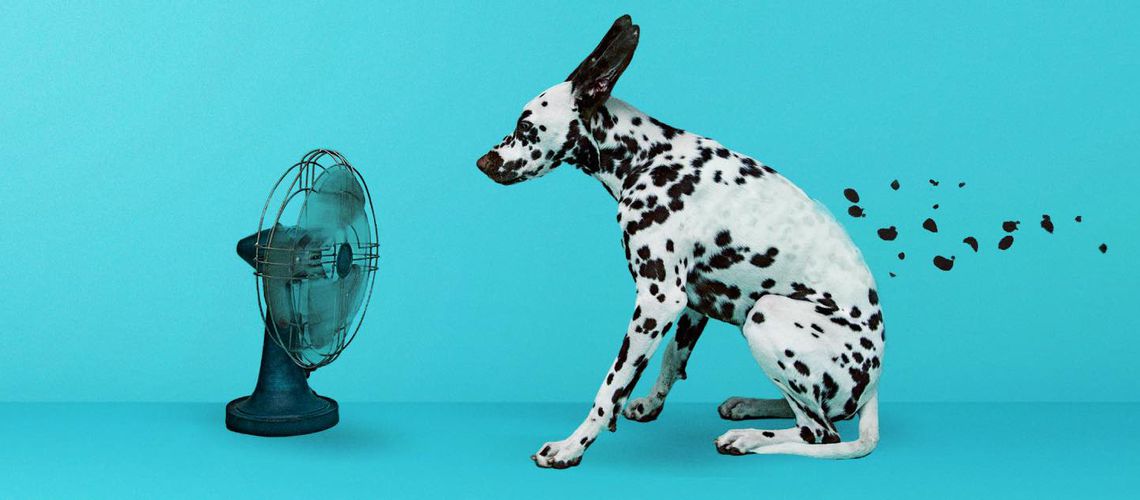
point(491, 164)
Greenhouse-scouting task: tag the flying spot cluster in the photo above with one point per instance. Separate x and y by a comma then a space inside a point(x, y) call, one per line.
point(891, 233)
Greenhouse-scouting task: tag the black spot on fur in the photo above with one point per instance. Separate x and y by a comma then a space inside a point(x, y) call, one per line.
point(806, 435)
point(874, 320)
point(723, 238)
point(622, 353)
point(762, 260)
point(802, 368)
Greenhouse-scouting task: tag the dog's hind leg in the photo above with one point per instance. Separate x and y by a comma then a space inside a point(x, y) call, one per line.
point(795, 441)
point(826, 364)
point(689, 327)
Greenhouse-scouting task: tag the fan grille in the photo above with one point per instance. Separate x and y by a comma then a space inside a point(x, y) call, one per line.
point(290, 333)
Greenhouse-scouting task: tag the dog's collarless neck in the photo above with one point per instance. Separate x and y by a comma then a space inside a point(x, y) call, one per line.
point(620, 140)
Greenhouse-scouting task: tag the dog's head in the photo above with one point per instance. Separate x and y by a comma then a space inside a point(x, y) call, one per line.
point(553, 124)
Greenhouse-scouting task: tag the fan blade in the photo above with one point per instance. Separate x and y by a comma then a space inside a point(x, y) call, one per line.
point(336, 202)
point(332, 304)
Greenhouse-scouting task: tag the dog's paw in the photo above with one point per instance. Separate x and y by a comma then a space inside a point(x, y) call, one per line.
point(559, 454)
point(736, 408)
point(735, 442)
point(643, 409)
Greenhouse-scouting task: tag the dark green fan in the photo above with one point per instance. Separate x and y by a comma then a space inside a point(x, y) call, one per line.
point(314, 280)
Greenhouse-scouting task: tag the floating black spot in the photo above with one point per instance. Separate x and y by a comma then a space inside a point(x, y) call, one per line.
point(891, 274)
point(961, 184)
point(888, 233)
point(943, 263)
point(1077, 218)
point(933, 182)
point(855, 211)
point(895, 184)
point(1005, 242)
point(972, 241)
point(930, 225)
point(1103, 248)
point(902, 255)
point(1047, 223)
point(851, 195)
point(1010, 226)
point(935, 206)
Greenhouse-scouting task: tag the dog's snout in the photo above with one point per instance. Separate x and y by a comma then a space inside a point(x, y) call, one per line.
point(489, 162)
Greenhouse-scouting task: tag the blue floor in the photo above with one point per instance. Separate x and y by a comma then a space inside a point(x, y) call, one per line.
point(482, 451)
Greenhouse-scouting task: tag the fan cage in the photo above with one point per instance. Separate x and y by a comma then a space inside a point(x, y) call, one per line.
point(303, 174)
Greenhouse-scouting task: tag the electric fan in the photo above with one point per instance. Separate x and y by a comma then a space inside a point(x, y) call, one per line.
point(314, 279)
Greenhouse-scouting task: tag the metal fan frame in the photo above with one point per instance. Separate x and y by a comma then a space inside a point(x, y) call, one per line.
point(303, 174)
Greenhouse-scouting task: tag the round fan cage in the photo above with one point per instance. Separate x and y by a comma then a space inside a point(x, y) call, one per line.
point(289, 196)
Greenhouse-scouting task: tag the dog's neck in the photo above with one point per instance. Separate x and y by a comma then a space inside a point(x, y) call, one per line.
point(610, 152)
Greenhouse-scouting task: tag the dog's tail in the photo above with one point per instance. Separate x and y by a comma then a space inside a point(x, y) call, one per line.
point(868, 438)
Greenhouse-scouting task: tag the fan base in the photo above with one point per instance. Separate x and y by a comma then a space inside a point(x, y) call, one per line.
point(276, 425)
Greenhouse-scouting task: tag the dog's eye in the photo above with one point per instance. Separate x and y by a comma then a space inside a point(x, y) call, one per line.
point(524, 127)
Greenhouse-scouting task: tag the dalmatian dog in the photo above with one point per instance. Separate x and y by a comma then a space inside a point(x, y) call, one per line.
point(710, 233)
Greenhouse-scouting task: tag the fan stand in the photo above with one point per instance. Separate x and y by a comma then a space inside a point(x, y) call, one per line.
point(282, 404)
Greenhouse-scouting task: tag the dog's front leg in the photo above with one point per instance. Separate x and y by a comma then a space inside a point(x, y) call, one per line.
point(652, 319)
point(676, 356)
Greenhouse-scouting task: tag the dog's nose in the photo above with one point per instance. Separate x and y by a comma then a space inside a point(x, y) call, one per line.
point(489, 162)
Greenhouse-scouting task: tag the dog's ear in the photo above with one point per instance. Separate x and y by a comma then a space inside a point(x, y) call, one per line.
point(620, 24)
point(595, 77)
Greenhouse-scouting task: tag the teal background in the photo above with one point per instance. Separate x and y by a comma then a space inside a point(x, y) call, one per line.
point(140, 140)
